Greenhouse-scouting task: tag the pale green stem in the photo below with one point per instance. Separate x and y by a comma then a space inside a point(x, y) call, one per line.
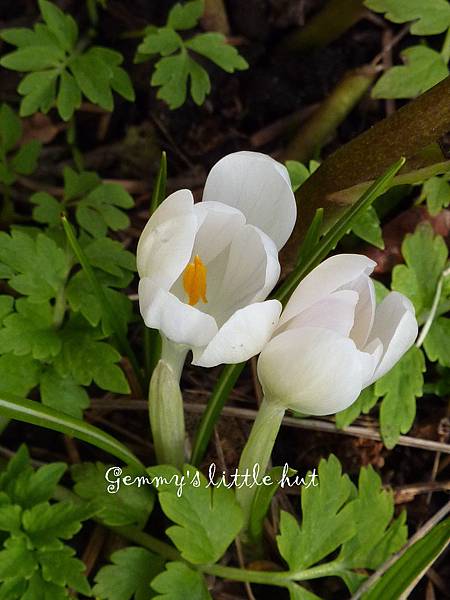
point(174, 355)
point(428, 323)
point(257, 451)
point(165, 404)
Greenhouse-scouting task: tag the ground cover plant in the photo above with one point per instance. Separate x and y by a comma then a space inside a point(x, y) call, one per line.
point(224, 299)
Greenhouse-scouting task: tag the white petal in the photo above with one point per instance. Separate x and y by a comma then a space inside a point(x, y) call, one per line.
point(336, 312)
point(365, 309)
point(178, 321)
point(220, 223)
point(251, 271)
point(370, 358)
point(165, 245)
point(311, 370)
point(242, 336)
point(333, 274)
point(259, 187)
point(396, 326)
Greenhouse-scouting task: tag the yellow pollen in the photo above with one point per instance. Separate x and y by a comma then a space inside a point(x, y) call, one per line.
point(194, 281)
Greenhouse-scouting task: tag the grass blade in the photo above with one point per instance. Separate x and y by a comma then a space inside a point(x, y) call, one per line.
point(29, 411)
point(409, 568)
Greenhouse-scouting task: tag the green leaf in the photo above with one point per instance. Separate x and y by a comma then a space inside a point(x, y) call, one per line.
point(437, 192)
point(47, 209)
point(129, 576)
point(93, 78)
point(163, 41)
point(425, 255)
point(18, 374)
point(396, 582)
point(367, 227)
point(207, 519)
point(39, 91)
point(298, 173)
point(39, 589)
point(215, 47)
point(100, 209)
point(44, 522)
point(429, 18)
point(79, 184)
point(63, 26)
point(16, 560)
point(121, 83)
point(400, 387)
point(200, 82)
point(121, 505)
point(437, 342)
point(366, 400)
point(33, 58)
point(327, 521)
point(60, 567)
point(10, 517)
point(87, 359)
point(25, 161)
point(375, 537)
point(185, 16)
point(69, 96)
point(10, 128)
point(171, 76)
point(297, 592)
point(424, 68)
point(176, 579)
point(30, 331)
point(63, 394)
point(6, 306)
point(20, 253)
point(35, 413)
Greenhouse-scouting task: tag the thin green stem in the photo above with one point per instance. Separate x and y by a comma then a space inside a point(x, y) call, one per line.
point(257, 451)
point(437, 296)
point(59, 309)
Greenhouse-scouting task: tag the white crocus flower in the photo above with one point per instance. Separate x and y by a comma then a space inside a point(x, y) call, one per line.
point(332, 340)
point(207, 268)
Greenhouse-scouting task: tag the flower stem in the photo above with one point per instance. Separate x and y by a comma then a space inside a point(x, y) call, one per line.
point(257, 451)
point(174, 355)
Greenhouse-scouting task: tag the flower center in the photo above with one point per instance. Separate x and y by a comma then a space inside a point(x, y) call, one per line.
point(194, 281)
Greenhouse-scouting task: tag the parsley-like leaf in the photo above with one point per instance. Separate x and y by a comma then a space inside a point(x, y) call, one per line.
point(437, 342)
point(429, 18)
point(207, 519)
point(326, 504)
point(400, 388)
point(437, 193)
point(424, 68)
point(129, 576)
point(176, 579)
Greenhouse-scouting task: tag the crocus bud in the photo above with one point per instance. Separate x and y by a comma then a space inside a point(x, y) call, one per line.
point(165, 404)
point(332, 340)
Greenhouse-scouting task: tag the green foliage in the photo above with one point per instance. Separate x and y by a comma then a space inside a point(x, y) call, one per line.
point(176, 579)
point(129, 576)
point(429, 18)
point(436, 344)
point(437, 193)
point(424, 68)
point(119, 506)
point(327, 504)
point(34, 562)
point(24, 160)
point(425, 255)
point(366, 401)
point(299, 173)
point(336, 514)
point(367, 227)
point(58, 72)
point(399, 389)
point(176, 69)
point(206, 519)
